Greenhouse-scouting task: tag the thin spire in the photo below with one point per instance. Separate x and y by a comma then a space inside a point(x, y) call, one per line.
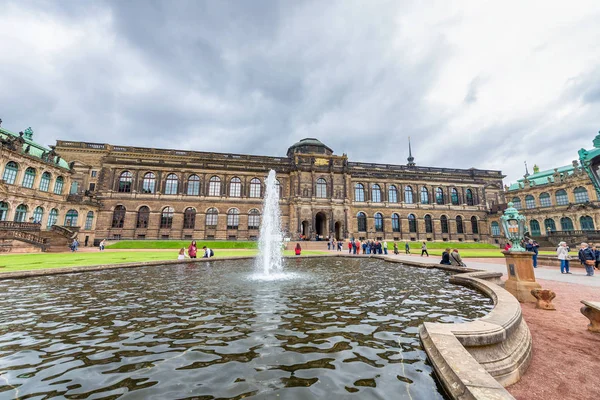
point(526, 170)
point(411, 159)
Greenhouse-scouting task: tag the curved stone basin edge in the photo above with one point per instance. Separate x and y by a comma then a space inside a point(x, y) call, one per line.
point(472, 360)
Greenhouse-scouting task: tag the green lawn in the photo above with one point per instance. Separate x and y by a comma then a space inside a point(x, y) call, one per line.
point(23, 262)
point(178, 244)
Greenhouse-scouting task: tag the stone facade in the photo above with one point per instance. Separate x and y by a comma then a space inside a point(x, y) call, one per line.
point(145, 193)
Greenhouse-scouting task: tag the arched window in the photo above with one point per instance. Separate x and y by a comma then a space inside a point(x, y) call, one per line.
point(321, 188)
point(378, 222)
point(376, 193)
point(29, 177)
point(545, 200)
point(469, 195)
point(561, 198)
point(529, 201)
point(254, 219)
point(193, 186)
point(189, 218)
point(359, 192)
point(587, 223)
point(3, 210)
point(45, 182)
point(566, 224)
point(52, 218)
point(118, 217)
point(71, 218)
point(444, 224)
point(516, 203)
point(412, 223)
point(408, 195)
point(211, 218)
point(581, 195)
point(361, 220)
point(214, 186)
point(143, 216)
point(10, 172)
point(125, 180)
point(38, 214)
point(166, 218)
point(89, 220)
point(454, 197)
point(474, 225)
point(495, 229)
point(428, 224)
point(439, 196)
point(392, 194)
point(149, 183)
point(395, 223)
point(459, 225)
point(424, 195)
point(235, 187)
point(254, 188)
point(534, 225)
point(278, 186)
point(233, 218)
point(171, 184)
point(58, 185)
point(549, 225)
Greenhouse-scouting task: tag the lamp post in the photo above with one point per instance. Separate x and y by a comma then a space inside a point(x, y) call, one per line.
point(590, 162)
point(513, 225)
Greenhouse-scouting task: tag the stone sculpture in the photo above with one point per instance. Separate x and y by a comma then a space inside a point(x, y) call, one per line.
point(544, 299)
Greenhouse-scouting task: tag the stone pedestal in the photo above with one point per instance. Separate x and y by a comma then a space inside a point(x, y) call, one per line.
point(521, 279)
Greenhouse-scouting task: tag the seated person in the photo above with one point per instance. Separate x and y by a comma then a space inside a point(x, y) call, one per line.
point(207, 252)
point(446, 257)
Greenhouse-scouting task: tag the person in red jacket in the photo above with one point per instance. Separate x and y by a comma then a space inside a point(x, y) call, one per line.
point(298, 249)
point(507, 247)
point(193, 249)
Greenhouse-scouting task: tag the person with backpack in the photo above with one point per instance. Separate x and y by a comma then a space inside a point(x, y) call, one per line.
point(208, 253)
point(533, 246)
point(587, 258)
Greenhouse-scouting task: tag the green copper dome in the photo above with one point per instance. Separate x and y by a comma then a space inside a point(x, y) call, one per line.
point(309, 146)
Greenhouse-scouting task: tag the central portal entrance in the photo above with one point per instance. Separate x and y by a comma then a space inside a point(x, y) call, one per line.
point(338, 230)
point(321, 225)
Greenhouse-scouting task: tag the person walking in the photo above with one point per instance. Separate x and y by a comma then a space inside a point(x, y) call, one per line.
point(385, 247)
point(328, 245)
point(396, 248)
point(446, 257)
point(562, 253)
point(102, 244)
point(350, 247)
point(587, 258)
point(533, 246)
point(407, 248)
point(424, 249)
point(298, 249)
point(193, 249)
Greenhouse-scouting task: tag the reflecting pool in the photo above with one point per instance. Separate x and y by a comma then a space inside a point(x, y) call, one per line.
point(337, 328)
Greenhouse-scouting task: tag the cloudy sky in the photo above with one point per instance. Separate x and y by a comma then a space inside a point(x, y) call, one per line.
point(474, 84)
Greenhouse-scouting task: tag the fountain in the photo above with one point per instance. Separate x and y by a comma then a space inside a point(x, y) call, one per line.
point(269, 261)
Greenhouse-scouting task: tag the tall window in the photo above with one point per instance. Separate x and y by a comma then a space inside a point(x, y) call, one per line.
point(118, 217)
point(378, 222)
point(408, 195)
point(253, 219)
point(89, 220)
point(495, 229)
point(566, 224)
point(278, 188)
point(586, 223)
point(439, 196)
point(516, 203)
point(376, 193)
point(361, 219)
point(255, 188)
point(392, 194)
point(45, 182)
point(469, 195)
point(412, 223)
point(10, 172)
point(193, 187)
point(444, 224)
point(459, 225)
point(58, 185)
point(171, 184)
point(71, 218)
point(143, 216)
point(189, 218)
point(149, 183)
point(549, 225)
point(235, 187)
point(21, 213)
point(38, 214)
point(166, 218)
point(3, 210)
point(125, 180)
point(545, 200)
point(359, 192)
point(454, 197)
point(211, 218)
point(534, 225)
point(52, 218)
point(233, 218)
point(474, 225)
point(214, 186)
point(321, 188)
point(428, 224)
point(424, 195)
point(29, 177)
point(581, 195)
point(529, 201)
point(561, 198)
point(395, 223)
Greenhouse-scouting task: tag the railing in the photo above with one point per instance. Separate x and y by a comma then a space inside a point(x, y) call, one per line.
point(574, 233)
point(19, 226)
point(25, 237)
point(68, 233)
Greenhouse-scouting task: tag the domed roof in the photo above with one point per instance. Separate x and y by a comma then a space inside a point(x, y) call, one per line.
point(309, 145)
